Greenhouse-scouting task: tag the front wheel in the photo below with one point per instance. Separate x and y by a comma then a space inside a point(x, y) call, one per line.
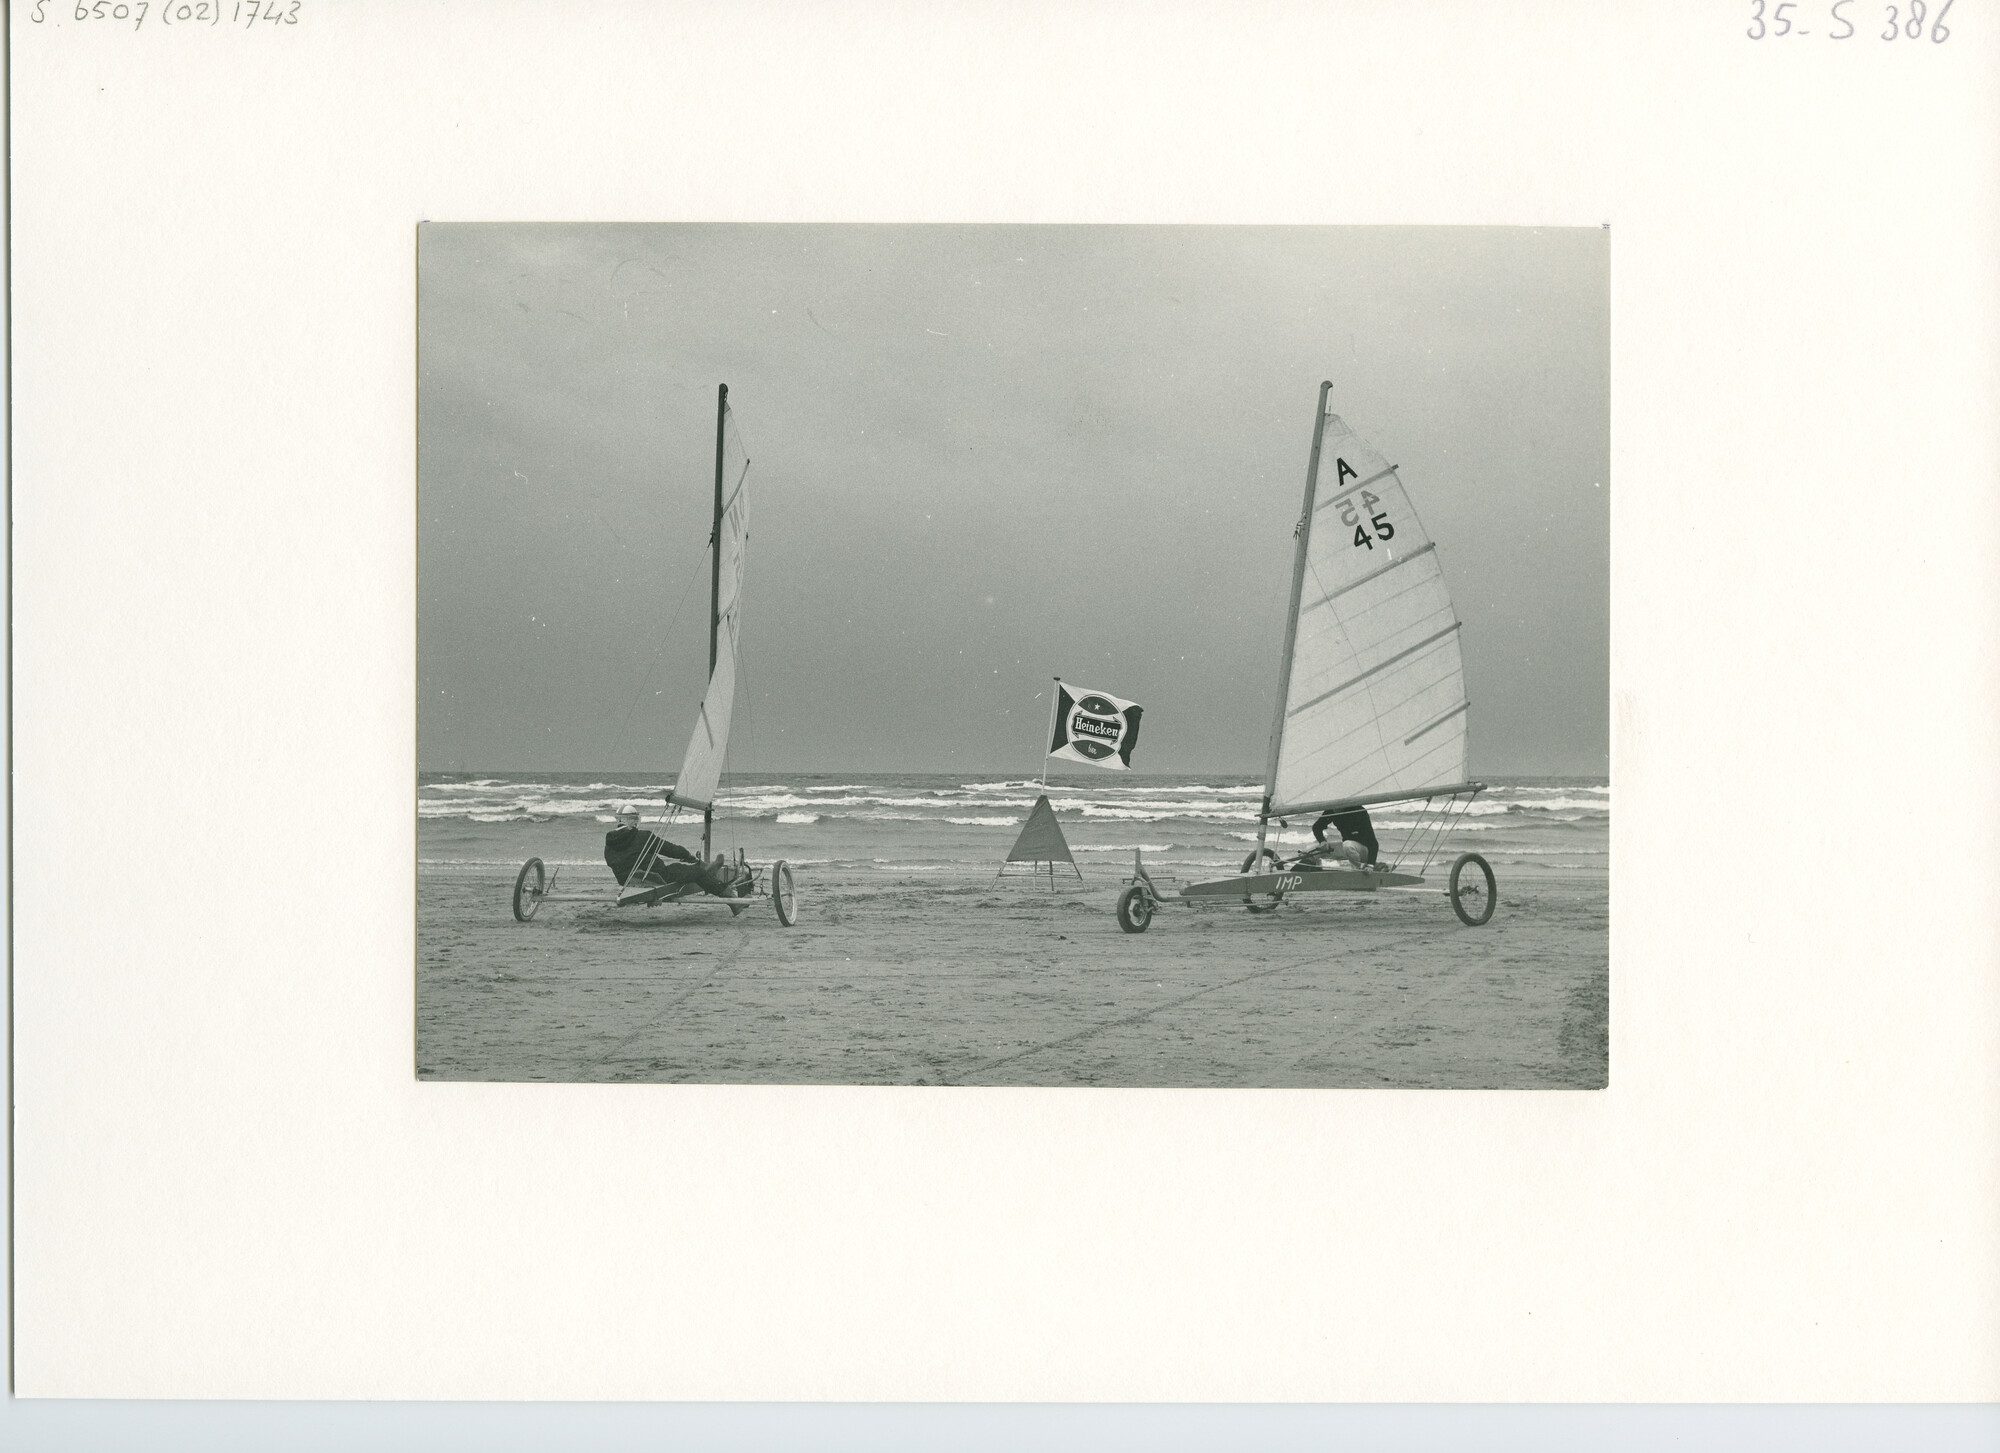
point(528, 886)
point(1473, 895)
point(784, 897)
point(1262, 861)
point(1135, 909)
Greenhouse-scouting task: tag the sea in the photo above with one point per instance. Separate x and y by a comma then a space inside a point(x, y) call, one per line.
point(961, 826)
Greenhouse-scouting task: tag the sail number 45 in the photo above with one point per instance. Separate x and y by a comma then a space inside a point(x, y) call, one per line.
point(1351, 517)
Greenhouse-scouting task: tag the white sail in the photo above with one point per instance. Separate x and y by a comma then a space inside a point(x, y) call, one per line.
point(701, 768)
point(1374, 698)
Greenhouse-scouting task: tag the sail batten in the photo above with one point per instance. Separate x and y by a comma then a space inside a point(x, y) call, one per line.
point(1373, 702)
point(1374, 670)
point(1333, 595)
point(1356, 488)
point(1423, 731)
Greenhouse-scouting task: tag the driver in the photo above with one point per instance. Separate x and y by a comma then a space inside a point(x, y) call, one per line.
point(626, 843)
point(1357, 836)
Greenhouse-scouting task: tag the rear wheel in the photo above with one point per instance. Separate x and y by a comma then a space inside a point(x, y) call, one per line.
point(784, 897)
point(1262, 861)
point(528, 886)
point(1473, 894)
point(1135, 909)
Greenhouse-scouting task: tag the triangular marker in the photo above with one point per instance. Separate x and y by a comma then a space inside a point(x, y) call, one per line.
point(1042, 840)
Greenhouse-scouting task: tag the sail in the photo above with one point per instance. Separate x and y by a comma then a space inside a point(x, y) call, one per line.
point(701, 768)
point(1374, 697)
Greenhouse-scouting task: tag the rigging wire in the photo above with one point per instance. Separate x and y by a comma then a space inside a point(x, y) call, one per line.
point(743, 685)
point(742, 690)
point(1447, 820)
point(1410, 838)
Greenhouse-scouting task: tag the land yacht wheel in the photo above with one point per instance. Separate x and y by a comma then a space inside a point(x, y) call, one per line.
point(1262, 861)
point(528, 886)
point(1135, 909)
point(1473, 894)
point(784, 897)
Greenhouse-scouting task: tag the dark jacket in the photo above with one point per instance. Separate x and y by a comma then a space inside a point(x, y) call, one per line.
point(1353, 826)
point(623, 847)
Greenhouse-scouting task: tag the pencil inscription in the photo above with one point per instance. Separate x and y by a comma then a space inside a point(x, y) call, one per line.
point(1906, 22)
point(237, 14)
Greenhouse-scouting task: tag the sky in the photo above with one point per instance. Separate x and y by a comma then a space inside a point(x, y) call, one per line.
point(983, 457)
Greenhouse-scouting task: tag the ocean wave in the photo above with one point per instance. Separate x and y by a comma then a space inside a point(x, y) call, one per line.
point(1489, 806)
point(1114, 790)
point(1153, 790)
point(1565, 804)
point(948, 822)
point(764, 805)
point(511, 864)
point(540, 808)
point(1157, 812)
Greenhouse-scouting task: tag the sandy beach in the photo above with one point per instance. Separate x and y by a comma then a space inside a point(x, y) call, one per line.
point(930, 980)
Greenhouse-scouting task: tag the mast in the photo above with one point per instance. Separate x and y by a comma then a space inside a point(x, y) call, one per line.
point(715, 577)
point(1050, 735)
point(1304, 533)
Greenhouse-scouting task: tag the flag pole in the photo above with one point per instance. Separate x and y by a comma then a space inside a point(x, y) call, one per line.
point(1050, 735)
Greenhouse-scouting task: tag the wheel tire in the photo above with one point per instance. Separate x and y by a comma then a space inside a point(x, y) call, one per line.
point(528, 886)
point(784, 897)
point(1263, 903)
point(1135, 909)
point(1474, 897)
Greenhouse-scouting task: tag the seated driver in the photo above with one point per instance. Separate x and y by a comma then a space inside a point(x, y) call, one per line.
point(669, 863)
point(1357, 837)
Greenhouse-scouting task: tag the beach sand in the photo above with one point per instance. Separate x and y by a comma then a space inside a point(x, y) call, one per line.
point(939, 979)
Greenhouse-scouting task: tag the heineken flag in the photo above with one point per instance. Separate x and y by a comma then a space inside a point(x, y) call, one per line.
point(1095, 728)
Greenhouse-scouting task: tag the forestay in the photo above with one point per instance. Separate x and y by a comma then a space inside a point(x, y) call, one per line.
point(701, 769)
point(1374, 694)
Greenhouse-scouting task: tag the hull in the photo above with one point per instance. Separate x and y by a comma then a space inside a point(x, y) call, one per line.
point(1330, 880)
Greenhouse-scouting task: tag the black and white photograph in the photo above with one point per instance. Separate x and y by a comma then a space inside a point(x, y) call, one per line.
point(1131, 656)
point(891, 725)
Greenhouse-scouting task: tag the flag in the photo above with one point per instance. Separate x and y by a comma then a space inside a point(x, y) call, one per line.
point(1095, 728)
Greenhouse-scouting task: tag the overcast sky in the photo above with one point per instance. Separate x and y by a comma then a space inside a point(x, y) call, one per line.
point(982, 457)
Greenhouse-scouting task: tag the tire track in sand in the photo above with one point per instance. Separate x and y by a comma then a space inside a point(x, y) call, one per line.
point(1139, 1016)
point(604, 1058)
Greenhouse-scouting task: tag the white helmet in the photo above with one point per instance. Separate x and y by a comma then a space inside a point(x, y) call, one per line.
point(627, 814)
